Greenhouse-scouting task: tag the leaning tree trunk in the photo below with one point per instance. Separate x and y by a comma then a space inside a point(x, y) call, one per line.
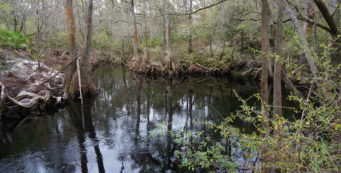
point(168, 57)
point(86, 87)
point(303, 39)
point(328, 17)
point(72, 43)
point(277, 97)
point(265, 51)
point(333, 26)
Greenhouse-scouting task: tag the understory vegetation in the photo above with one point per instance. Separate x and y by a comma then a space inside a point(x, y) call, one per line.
point(14, 40)
point(306, 141)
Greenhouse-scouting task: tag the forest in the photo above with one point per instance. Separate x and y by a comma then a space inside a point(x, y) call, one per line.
point(170, 85)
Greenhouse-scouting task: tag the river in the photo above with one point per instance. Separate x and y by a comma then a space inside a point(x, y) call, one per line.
point(113, 132)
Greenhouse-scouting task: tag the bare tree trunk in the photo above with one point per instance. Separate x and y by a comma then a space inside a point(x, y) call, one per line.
point(265, 50)
point(145, 50)
point(72, 43)
point(86, 82)
point(15, 22)
point(223, 50)
point(122, 50)
point(190, 46)
point(211, 50)
point(303, 39)
point(277, 97)
point(137, 58)
point(79, 21)
point(315, 34)
point(22, 26)
point(38, 39)
point(45, 19)
point(168, 57)
point(307, 26)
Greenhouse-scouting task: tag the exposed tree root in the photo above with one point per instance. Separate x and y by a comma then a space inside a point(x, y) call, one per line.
point(27, 100)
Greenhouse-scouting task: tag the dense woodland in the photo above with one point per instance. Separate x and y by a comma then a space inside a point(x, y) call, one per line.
point(289, 45)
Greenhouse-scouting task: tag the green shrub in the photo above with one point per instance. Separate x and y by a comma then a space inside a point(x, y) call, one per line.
point(14, 39)
point(154, 41)
point(308, 143)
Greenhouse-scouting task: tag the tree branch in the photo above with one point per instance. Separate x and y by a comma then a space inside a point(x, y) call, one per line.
point(200, 9)
point(327, 16)
point(301, 17)
point(336, 9)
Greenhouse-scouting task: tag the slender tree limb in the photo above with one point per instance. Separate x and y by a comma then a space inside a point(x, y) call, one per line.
point(336, 9)
point(200, 9)
point(302, 18)
point(59, 71)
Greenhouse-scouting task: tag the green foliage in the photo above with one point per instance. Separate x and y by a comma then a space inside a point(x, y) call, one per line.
point(14, 39)
point(207, 154)
point(62, 38)
point(154, 41)
point(180, 36)
point(104, 40)
point(307, 144)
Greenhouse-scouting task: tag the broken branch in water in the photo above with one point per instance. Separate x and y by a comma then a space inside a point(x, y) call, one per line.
point(79, 81)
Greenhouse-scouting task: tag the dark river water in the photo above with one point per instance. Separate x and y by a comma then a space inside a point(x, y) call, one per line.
point(112, 132)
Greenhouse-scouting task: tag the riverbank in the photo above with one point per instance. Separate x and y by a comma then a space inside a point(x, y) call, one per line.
point(27, 88)
point(20, 73)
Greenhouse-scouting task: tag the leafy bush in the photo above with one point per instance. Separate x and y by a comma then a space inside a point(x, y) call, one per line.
point(14, 39)
point(309, 143)
point(154, 41)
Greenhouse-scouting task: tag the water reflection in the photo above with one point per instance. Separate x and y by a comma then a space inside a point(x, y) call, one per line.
point(81, 118)
point(112, 132)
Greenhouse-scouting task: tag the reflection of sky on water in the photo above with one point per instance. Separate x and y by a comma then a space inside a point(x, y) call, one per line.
point(112, 133)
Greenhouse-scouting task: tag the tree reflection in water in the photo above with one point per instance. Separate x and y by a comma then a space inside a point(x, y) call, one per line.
point(81, 118)
point(112, 131)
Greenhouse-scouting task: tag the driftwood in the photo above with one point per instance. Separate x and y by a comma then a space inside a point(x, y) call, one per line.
point(26, 99)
